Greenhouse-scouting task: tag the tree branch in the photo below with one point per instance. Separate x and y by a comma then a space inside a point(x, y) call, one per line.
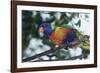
point(42, 54)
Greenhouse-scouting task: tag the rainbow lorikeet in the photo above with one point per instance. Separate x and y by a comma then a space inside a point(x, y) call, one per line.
point(58, 36)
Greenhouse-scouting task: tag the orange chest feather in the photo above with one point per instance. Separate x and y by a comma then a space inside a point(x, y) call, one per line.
point(58, 35)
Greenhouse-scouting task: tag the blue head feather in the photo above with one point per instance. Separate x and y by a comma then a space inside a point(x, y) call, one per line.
point(47, 29)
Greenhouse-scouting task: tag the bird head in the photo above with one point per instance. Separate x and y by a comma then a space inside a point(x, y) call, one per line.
point(45, 30)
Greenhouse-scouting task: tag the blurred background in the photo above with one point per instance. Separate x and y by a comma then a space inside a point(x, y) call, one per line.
point(45, 30)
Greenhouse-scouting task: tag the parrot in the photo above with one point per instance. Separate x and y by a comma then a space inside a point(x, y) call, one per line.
point(59, 35)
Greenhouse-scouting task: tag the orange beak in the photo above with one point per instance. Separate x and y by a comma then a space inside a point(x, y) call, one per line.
point(41, 29)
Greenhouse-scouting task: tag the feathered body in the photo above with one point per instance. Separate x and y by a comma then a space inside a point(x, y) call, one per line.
point(58, 36)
